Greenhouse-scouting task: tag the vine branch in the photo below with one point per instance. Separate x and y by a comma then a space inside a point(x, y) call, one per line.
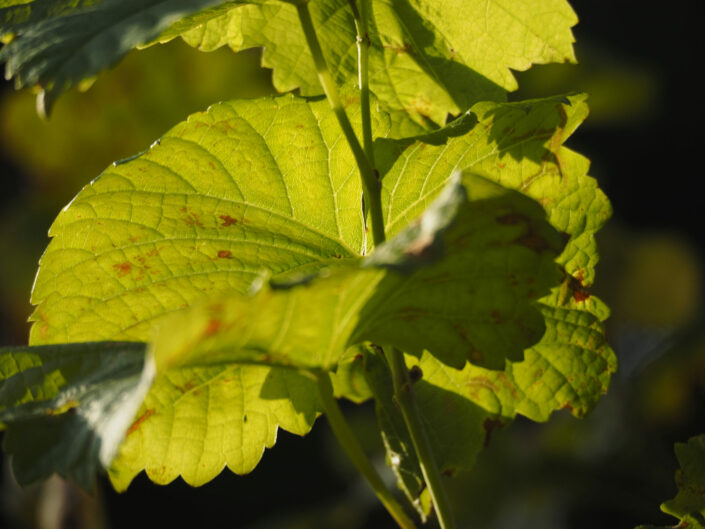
point(354, 451)
point(370, 182)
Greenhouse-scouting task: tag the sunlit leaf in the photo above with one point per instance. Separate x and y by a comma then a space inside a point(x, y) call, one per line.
point(427, 59)
point(217, 201)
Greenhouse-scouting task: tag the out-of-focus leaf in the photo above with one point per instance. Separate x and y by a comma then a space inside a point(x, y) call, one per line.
point(67, 407)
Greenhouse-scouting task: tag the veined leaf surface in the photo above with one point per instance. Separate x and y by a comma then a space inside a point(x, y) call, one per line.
point(458, 282)
point(247, 187)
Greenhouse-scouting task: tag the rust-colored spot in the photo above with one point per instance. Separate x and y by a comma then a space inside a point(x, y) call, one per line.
point(225, 254)
point(122, 269)
point(580, 292)
point(501, 165)
point(187, 387)
point(299, 126)
point(227, 220)
point(533, 242)
point(512, 218)
point(490, 426)
point(152, 252)
point(568, 406)
point(138, 422)
point(212, 165)
point(358, 357)
point(581, 295)
point(496, 316)
point(476, 356)
point(212, 327)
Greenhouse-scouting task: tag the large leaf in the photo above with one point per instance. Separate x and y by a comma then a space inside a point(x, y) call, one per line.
point(67, 407)
point(520, 146)
point(61, 42)
point(459, 282)
point(427, 58)
point(246, 187)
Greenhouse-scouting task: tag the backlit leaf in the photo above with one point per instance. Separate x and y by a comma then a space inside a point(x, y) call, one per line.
point(427, 58)
point(247, 187)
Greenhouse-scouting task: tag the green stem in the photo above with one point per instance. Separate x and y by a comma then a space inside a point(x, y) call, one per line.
point(404, 396)
point(370, 182)
point(363, 48)
point(354, 451)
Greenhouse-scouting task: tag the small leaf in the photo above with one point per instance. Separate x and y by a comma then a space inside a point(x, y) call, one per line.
point(689, 504)
point(81, 397)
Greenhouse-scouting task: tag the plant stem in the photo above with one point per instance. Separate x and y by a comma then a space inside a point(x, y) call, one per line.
point(354, 451)
point(370, 182)
point(363, 47)
point(404, 396)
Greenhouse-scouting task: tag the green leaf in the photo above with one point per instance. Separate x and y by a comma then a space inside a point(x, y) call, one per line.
point(454, 283)
point(61, 42)
point(81, 397)
point(419, 72)
point(689, 504)
point(187, 220)
point(520, 146)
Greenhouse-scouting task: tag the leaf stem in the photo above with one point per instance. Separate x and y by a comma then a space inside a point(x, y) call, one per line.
point(404, 396)
point(370, 182)
point(363, 47)
point(354, 451)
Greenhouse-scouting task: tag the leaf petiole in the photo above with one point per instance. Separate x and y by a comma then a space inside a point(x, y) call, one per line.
point(404, 396)
point(354, 451)
point(370, 182)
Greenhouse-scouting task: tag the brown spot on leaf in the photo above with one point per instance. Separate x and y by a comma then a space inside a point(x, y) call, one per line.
point(138, 422)
point(580, 291)
point(225, 254)
point(534, 242)
point(581, 295)
point(212, 327)
point(227, 220)
point(511, 219)
point(122, 269)
point(490, 426)
point(496, 316)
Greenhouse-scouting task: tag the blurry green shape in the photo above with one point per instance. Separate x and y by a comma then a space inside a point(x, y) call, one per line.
point(689, 504)
point(123, 112)
point(621, 91)
point(81, 397)
point(57, 44)
point(662, 282)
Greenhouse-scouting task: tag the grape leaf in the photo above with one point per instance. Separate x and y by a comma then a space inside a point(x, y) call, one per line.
point(427, 59)
point(58, 43)
point(453, 283)
point(217, 201)
point(81, 397)
point(520, 146)
point(689, 504)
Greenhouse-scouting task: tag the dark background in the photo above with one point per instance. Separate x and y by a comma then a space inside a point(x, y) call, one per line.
point(641, 66)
